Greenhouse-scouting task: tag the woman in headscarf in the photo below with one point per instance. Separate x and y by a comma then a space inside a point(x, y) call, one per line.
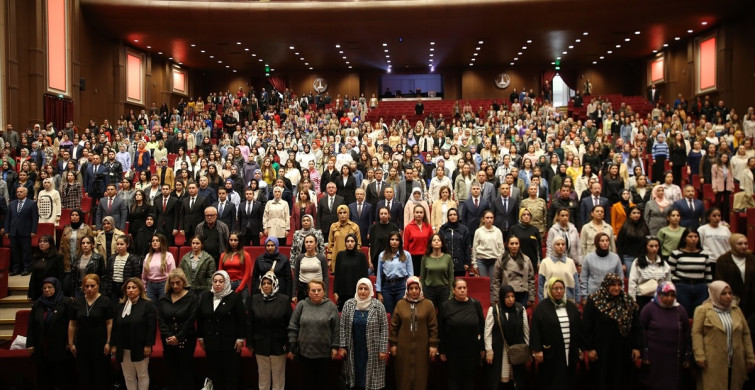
point(307, 228)
point(70, 241)
point(506, 324)
point(559, 265)
point(47, 336)
point(620, 210)
point(351, 266)
point(597, 265)
point(656, 210)
point(104, 243)
point(134, 329)
point(272, 260)
point(221, 332)
point(530, 236)
point(364, 338)
point(413, 337)
point(415, 199)
point(555, 338)
point(338, 232)
point(47, 263)
point(49, 203)
point(458, 242)
point(515, 269)
point(268, 315)
point(666, 332)
point(276, 219)
point(632, 231)
point(721, 341)
point(313, 335)
point(611, 335)
point(461, 328)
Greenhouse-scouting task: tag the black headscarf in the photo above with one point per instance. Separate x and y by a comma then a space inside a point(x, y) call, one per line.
point(352, 252)
point(598, 250)
point(77, 225)
point(510, 324)
point(449, 224)
point(49, 304)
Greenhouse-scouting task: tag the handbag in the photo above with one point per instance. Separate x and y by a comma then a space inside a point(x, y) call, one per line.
point(518, 353)
point(647, 287)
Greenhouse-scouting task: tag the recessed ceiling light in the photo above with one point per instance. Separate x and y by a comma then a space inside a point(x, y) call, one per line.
point(553, 63)
point(626, 39)
point(676, 38)
point(609, 51)
point(594, 62)
point(516, 58)
point(389, 61)
point(602, 57)
point(564, 52)
point(149, 47)
point(170, 58)
point(234, 71)
point(291, 47)
point(479, 42)
point(689, 31)
point(340, 52)
point(511, 63)
point(618, 46)
point(310, 68)
point(385, 51)
point(529, 41)
point(477, 48)
point(475, 54)
point(136, 40)
point(387, 56)
point(344, 57)
point(665, 45)
point(519, 53)
point(473, 59)
point(571, 46)
point(578, 40)
point(432, 49)
point(558, 58)
point(296, 54)
point(431, 54)
point(585, 33)
point(227, 66)
point(524, 47)
point(246, 49)
point(220, 61)
point(704, 23)
point(655, 51)
point(302, 58)
point(432, 43)
point(636, 33)
point(347, 62)
point(159, 52)
point(201, 51)
point(431, 60)
point(260, 60)
point(349, 66)
point(470, 64)
point(212, 56)
point(272, 69)
point(193, 45)
point(267, 65)
point(238, 43)
point(385, 44)
point(254, 54)
point(338, 46)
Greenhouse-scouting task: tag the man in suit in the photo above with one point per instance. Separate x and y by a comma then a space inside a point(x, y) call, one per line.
point(587, 204)
point(653, 94)
point(164, 173)
point(20, 226)
point(376, 189)
point(96, 178)
point(406, 186)
point(326, 209)
point(487, 190)
point(250, 219)
point(192, 211)
point(542, 191)
point(226, 209)
point(472, 208)
point(396, 207)
point(167, 209)
point(360, 212)
point(691, 210)
point(205, 191)
point(506, 209)
point(113, 206)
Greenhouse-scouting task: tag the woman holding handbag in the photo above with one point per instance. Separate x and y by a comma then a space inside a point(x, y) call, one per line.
point(506, 326)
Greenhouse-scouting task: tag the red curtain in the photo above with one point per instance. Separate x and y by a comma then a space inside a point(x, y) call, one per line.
point(548, 76)
point(278, 82)
point(58, 110)
point(571, 79)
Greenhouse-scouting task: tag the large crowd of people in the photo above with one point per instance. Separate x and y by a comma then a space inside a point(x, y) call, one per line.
point(592, 231)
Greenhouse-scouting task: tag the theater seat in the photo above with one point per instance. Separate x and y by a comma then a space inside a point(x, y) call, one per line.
point(479, 288)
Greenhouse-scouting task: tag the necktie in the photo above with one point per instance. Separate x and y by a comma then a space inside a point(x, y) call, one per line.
point(389, 205)
point(595, 201)
point(20, 206)
point(162, 177)
point(476, 202)
point(220, 211)
point(330, 204)
point(691, 205)
point(191, 204)
point(248, 208)
point(359, 210)
point(109, 204)
point(165, 204)
point(506, 204)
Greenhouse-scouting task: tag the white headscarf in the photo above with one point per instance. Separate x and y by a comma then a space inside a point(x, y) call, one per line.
point(364, 304)
point(226, 286)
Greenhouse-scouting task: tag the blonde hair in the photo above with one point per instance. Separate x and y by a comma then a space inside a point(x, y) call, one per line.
point(177, 273)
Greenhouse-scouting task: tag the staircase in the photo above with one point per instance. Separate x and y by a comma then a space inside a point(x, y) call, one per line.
point(15, 301)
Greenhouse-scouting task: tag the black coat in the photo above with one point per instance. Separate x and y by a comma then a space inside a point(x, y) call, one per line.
point(325, 216)
point(42, 268)
point(95, 265)
point(141, 332)
point(221, 327)
point(458, 242)
point(264, 263)
point(267, 324)
point(727, 271)
point(49, 338)
point(132, 269)
point(546, 337)
point(178, 319)
point(348, 190)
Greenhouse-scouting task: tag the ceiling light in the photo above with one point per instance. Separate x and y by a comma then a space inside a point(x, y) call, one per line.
point(387, 56)
point(473, 59)
point(260, 60)
point(201, 51)
point(520, 53)
point(431, 60)
point(227, 66)
point(524, 47)
point(347, 62)
point(389, 61)
point(344, 57)
point(136, 40)
point(272, 70)
point(160, 53)
point(432, 43)
point(618, 46)
point(170, 58)
point(385, 51)
point(511, 63)
point(302, 58)
point(609, 51)
point(704, 23)
point(254, 54)
point(470, 64)
point(310, 68)
point(246, 49)
point(602, 57)
point(655, 51)
point(558, 58)
point(689, 31)
point(571, 46)
point(291, 47)
point(149, 47)
point(477, 48)
point(340, 52)
point(220, 61)
point(636, 33)
point(385, 44)
point(338, 46)
point(665, 45)
point(432, 49)
point(212, 56)
point(479, 42)
point(578, 40)
point(180, 63)
point(475, 54)
point(553, 62)
point(594, 62)
point(585, 33)
point(389, 69)
point(516, 58)
point(193, 45)
point(564, 52)
point(529, 41)
point(626, 39)
point(238, 43)
point(296, 54)
point(676, 38)
point(267, 65)
point(431, 54)
point(234, 71)
point(349, 66)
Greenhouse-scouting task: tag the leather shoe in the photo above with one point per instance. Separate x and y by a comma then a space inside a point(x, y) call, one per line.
point(25, 273)
point(15, 273)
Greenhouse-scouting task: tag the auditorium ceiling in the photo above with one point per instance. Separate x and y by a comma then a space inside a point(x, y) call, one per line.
point(404, 34)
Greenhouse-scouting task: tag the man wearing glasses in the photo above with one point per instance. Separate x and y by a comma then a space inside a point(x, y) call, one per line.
point(213, 233)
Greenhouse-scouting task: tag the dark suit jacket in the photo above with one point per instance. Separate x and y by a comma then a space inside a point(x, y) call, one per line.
point(191, 217)
point(348, 190)
point(229, 214)
point(24, 223)
point(401, 193)
point(91, 178)
point(167, 221)
point(397, 212)
point(690, 218)
point(375, 194)
point(471, 215)
point(727, 271)
point(141, 333)
point(325, 216)
point(119, 212)
point(253, 220)
point(585, 208)
point(221, 327)
point(505, 217)
point(326, 177)
point(365, 221)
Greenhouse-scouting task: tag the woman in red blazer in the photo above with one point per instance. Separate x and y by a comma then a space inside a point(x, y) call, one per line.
point(302, 207)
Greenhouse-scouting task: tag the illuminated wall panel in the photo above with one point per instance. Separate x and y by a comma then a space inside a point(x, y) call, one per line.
point(657, 70)
point(179, 81)
point(706, 76)
point(57, 46)
point(134, 78)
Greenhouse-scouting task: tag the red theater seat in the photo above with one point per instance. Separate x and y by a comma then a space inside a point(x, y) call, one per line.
point(479, 288)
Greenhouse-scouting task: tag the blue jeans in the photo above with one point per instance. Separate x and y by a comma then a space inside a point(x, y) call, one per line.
point(691, 296)
point(628, 260)
point(155, 289)
point(244, 293)
point(392, 293)
point(486, 268)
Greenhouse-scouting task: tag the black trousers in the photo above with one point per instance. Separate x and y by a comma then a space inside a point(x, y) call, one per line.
point(179, 365)
point(461, 369)
point(20, 253)
point(224, 369)
point(437, 294)
point(94, 369)
point(316, 372)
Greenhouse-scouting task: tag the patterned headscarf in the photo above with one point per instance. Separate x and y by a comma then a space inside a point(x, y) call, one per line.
point(664, 288)
point(620, 308)
point(411, 280)
point(269, 275)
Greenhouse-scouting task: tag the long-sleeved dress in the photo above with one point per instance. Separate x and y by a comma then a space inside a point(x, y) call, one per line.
point(364, 334)
point(666, 342)
point(414, 329)
point(276, 219)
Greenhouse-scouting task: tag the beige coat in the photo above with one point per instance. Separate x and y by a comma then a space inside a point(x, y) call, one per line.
point(100, 244)
point(709, 344)
point(276, 219)
point(437, 216)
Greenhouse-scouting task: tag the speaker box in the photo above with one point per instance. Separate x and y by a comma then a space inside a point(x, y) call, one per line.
point(82, 84)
